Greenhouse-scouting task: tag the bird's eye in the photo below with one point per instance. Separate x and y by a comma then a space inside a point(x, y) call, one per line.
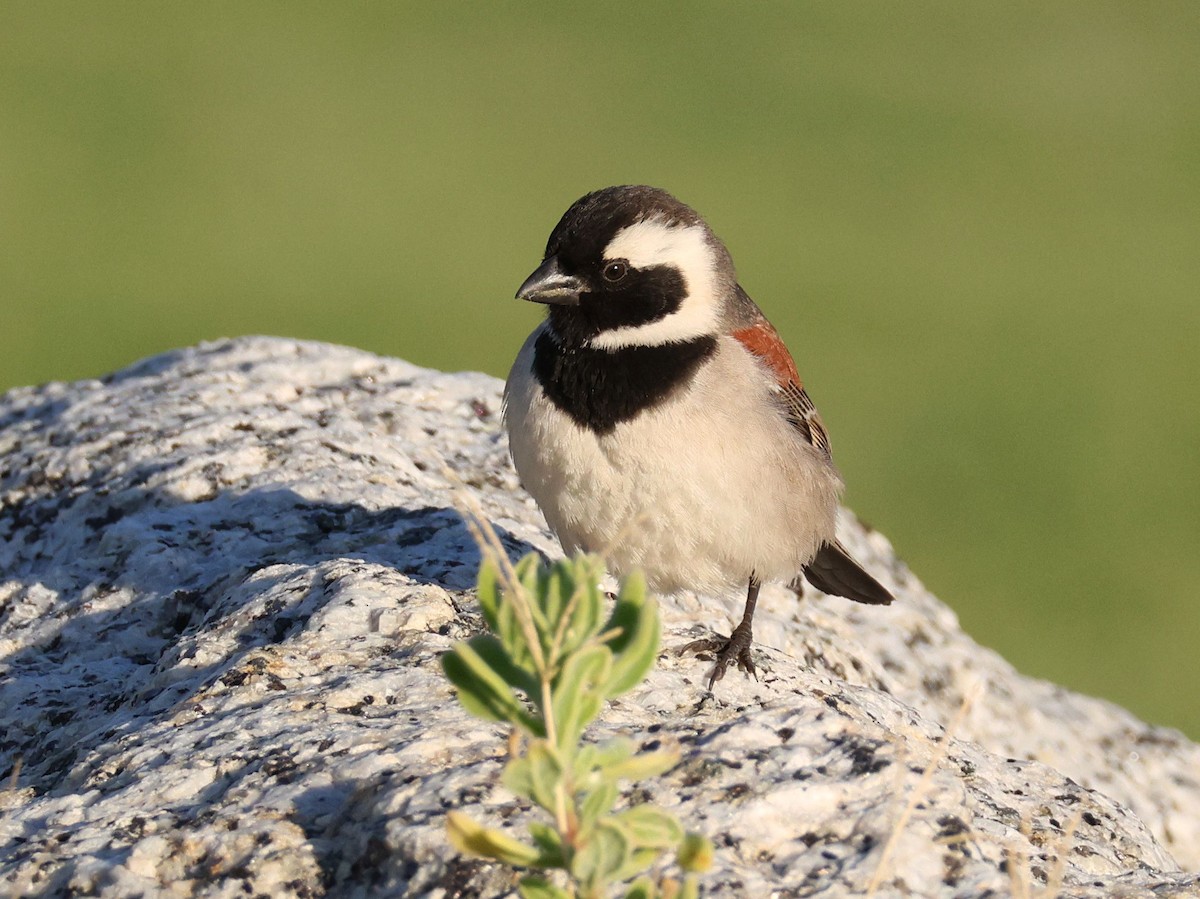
point(616, 271)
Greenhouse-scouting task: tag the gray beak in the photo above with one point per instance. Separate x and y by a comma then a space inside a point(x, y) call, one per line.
point(550, 285)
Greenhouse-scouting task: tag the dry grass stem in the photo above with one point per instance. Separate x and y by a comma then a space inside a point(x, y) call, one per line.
point(918, 793)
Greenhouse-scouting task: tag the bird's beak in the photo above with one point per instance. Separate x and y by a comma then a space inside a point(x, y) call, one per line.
point(551, 285)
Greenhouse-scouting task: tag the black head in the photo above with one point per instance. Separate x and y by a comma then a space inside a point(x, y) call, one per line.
point(631, 266)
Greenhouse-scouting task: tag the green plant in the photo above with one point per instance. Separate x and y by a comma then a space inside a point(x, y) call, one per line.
point(547, 666)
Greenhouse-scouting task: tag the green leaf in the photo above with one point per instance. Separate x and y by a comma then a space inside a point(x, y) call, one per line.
point(585, 620)
point(639, 860)
point(500, 613)
point(551, 599)
point(614, 751)
point(650, 827)
point(533, 577)
point(487, 589)
point(642, 888)
point(508, 624)
point(630, 601)
point(481, 689)
point(597, 860)
point(647, 764)
point(535, 775)
point(549, 841)
point(578, 614)
point(539, 888)
point(636, 645)
point(696, 853)
point(545, 775)
point(517, 777)
point(467, 835)
point(575, 699)
point(592, 763)
point(517, 676)
point(598, 801)
point(583, 763)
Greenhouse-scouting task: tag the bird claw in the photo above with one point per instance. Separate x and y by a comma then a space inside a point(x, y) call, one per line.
point(736, 648)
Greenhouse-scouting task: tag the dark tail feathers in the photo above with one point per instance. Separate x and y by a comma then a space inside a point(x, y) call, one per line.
point(833, 571)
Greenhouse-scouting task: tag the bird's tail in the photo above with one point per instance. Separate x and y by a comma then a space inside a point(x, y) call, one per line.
point(834, 571)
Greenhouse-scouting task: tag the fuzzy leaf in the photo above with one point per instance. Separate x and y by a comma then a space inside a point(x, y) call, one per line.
point(481, 689)
point(593, 763)
point(535, 775)
point(518, 676)
point(517, 777)
point(499, 613)
point(583, 763)
point(466, 835)
point(549, 841)
point(533, 578)
point(545, 775)
point(636, 645)
point(585, 619)
point(576, 701)
point(695, 854)
point(625, 610)
point(487, 590)
point(554, 586)
point(614, 751)
point(603, 855)
point(639, 860)
point(540, 888)
point(598, 801)
point(650, 827)
point(642, 888)
point(647, 764)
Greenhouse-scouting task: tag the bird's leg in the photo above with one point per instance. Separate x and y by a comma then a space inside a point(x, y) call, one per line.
point(737, 647)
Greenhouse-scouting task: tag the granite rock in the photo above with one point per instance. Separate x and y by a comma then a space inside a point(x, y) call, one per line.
point(227, 574)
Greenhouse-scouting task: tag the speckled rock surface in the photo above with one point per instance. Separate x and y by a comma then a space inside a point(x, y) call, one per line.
point(226, 575)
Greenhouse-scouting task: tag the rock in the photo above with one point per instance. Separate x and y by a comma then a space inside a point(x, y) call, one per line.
point(228, 573)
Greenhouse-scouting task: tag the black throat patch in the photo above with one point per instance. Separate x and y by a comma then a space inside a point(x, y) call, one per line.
point(599, 389)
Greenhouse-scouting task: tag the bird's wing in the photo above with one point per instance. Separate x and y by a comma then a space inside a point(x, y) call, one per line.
point(762, 340)
point(833, 571)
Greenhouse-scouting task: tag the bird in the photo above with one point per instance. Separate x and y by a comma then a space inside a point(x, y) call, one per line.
point(658, 419)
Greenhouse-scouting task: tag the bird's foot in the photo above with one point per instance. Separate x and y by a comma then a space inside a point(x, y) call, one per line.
point(734, 649)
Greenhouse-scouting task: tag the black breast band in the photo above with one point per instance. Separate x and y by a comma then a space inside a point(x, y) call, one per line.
point(600, 388)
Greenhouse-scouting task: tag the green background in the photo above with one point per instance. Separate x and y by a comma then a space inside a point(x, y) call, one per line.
point(975, 224)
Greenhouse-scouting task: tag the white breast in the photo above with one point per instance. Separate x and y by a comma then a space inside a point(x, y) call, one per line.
point(698, 492)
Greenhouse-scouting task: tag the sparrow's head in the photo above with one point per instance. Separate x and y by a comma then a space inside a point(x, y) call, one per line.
point(632, 266)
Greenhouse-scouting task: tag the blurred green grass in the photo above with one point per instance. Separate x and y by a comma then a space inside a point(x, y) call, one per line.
point(976, 225)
